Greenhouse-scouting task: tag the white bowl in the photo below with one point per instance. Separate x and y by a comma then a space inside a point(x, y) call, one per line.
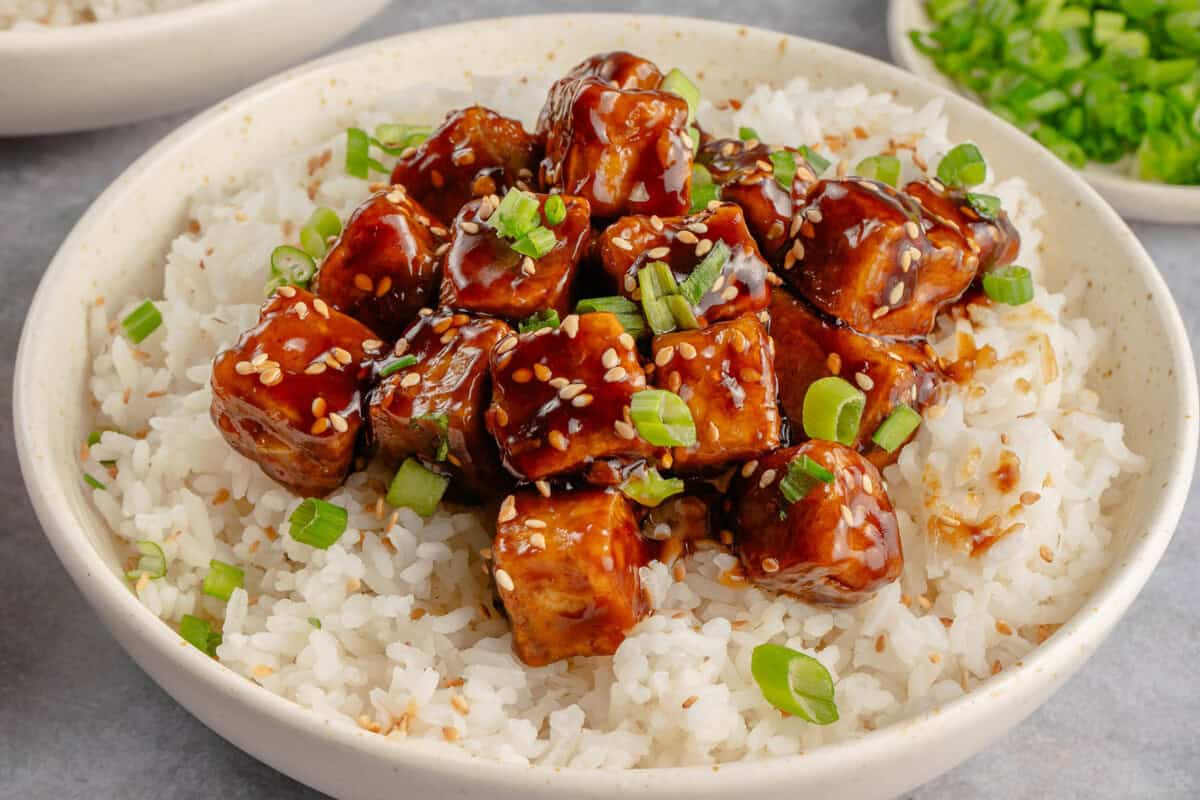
point(1132, 198)
point(117, 247)
point(106, 73)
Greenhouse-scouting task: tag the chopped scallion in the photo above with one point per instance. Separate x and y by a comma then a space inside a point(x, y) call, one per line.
point(403, 362)
point(151, 561)
point(794, 682)
point(803, 474)
point(662, 418)
point(882, 168)
point(92, 482)
point(696, 285)
point(199, 634)
point(783, 163)
point(746, 134)
point(815, 160)
point(547, 318)
point(962, 166)
point(290, 266)
point(895, 430)
point(555, 210)
point(649, 488)
point(677, 83)
point(358, 154)
point(322, 224)
point(985, 205)
point(222, 579)
point(516, 215)
point(417, 488)
point(613, 305)
point(1011, 285)
point(315, 622)
point(141, 322)
point(317, 523)
point(442, 421)
point(832, 410)
point(681, 312)
point(536, 243)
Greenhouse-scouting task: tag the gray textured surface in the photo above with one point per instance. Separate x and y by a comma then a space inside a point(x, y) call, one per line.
point(78, 719)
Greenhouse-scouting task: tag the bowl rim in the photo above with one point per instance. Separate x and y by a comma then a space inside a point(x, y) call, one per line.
point(118, 31)
point(1058, 655)
point(1110, 183)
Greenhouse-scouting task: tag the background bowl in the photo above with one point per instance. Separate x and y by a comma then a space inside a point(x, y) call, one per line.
point(117, 248)
point(105, 73)
point(1132, 198)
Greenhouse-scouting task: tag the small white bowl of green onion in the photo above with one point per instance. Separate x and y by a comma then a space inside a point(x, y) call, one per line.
point(1112, 87)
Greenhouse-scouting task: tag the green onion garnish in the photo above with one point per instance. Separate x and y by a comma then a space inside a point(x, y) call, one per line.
point(1011, 285)
point(537, 243)
point(962, 166)
point(516, 215)
point(151, 561)
point(832, 410)
point(794, 682)
point(442, 421)
point(746, 134)
point(555, 210)
point(290, 266)
point(417, 488)
point(199, 634)
point(694, 135)
point(802, 475)
point(222, 579)
point(358, 154)
point(677, 83)
point(895, 430)
point(547, 318)
point(885, 169)
point(394, 139)
point(141, 322)
point(696, 285)
point(662, 418)
point(681, 312)
point(704, 191)
point(656, 282)
point(815, 160)
point(317, 523)
point(92, 482)
point(403, 362)
point(94, 438)
point(985, 205)
point(649, 488)
point(784, 164)
point(322, 224)
point(613, 305)
point(315, 622)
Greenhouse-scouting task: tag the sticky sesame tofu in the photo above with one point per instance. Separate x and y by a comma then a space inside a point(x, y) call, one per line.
point(287, 395)
point(626, 150)
point(384, 266)
point(434, 410)
point(890, 372)
point(561, 396)
point(836, 546)
point(475, 152)
point(726, 376)
point(566, 567)
point(995, 241)
point(484, 274)
point(682, 243)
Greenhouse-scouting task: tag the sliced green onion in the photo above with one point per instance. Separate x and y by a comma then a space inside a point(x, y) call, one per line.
point(794, 682)
point(657, 282)
point(315, 622)
point(537, 243)
point(815, 160)
point(649, 488)
point(612, 305)
point(962, 166)
point(417, 488)
point(151, 561)
point(802, 475)
point(985, 205)
point(704, 191)
point(394, 139)
point(833, 410)
point(895, 430)
point(516, 215)
point(696, 285)
point(1011, 285)
point(885, 169)
point(141, 322)
point(94, 438)
point(783, 163)
point(358, 154)
point(555, 210)
point(291, 266)
point(634, 324)
point(662, 418)
point(403, 362)
point(681, 312)
point(677, 83)
point(547, 318)
point(322, 224)
point(199, 634)
point(1106, 25)
point(92, 482)
point(317, 523)
point(746, 134)
point(694, 135)
point(442, 420)
point(222, 579)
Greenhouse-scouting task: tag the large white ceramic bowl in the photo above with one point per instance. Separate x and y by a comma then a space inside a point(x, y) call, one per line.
point(117, 246)
point(1132, 198)
point(104, 73)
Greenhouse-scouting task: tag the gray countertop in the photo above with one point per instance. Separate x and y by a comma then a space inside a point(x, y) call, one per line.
point(79, 719)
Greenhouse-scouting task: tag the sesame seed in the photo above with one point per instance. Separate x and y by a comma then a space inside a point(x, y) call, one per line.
point(770, 565)
point(864, 381)
point(766, 478)
point(541, 372)
point(659, 252)
point(912, 229)
point(501, 416)
point(624, 429)
point(1046, 553)
point(558, 382)
point(797, 221)
point(583, 400)
point(538, 540)
point(814, 215)
point(656, 223)
point(508, 509)
point(470, 227)
point(630, 283)
point(535, 523)
point(749, 467)
point(880, 312)
point(571, 390)
point(504, 580)
point(338, 422)
point(867, 484)
point(506, 344)
point(318, 407)
point(342, 355)
point(610, 358)
point(621, 243)
point(543, 488)
point(687, 351)
point(287, 291)
point(703, 247)
point(372, 345)
point(740, 342)
point(626, 341)
point(718, 283)
point(424, 312)
point(243, 368)
point(315, 369)
point(1029, 498)
point(448, 336)
point(410, 379)
point(558, 441)
point(321, 307)
point(691, 701)
point(522, 375)
point(301, 309)
point(259, 359)
point(664, 356)
point(848, 515)
point(442, 249)
point(570, 325)
point(271, 377)
point(527, 266)
point(320, 426)
point(896, 293)
point(363, 282)
point(460, 704)
point(687, 237)
point(674, 381)
point(797, 249)
point(765, 166)
point(834, 362)
point(401, 347)
point(729, 293)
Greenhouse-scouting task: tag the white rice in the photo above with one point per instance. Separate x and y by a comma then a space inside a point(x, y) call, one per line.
point(44, 14)
point(403, 641)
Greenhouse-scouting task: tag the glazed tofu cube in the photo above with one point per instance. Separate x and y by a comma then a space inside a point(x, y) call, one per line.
point(622, 69)
point(384, 267)
point(434, 410)
point(870, 256)
point(746, 177)
point(837, 545)
point(475, 152)
point(566, 567)
point(995, 241)
point(484, 274)
point(890, 372)
point(725, 375)
point(560, 397)
point(287, 395)
point(682, 243)
point(626, 150)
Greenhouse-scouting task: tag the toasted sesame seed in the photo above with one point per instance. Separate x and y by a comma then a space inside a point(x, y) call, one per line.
point(469, 227)
point(749, 467)
point(522, 375)
point(656, 223)
point(630, 283)
point(363, 282)
point(1046, 553)
point(691, 701)
point(538, 540)
point(287, 291)
point(583, 400)
point(542, 372)
point(558, 441)
point(797, 222)
point(1029, 498)
point(342, 355)
point(558, 382)
point(766, 478)
point(687, 351)
point(659, 252)
point(610, 358)
point(571, 390)
point(686, 236)
point(535, 523)
point(912, 229)
point(338, 422)
point(424, 312)
point(797, 249)
point(624, 429)
point(623, 244)
point(401, 347)
point(501, 416)
point(543, 488)
point(259, 359)
point(504, 580)
point(301, 309)
point(626, 341)
point(410, 379)
point(664, 356)
point(848, 515)
point(570, 325)
point(880, 312)
point(270, 377)
point(243, 368)
point(703, 247)
point(508, 509)
point(527, 266)
point(814, 215)
point(320, 426)
point(506, 344)
point(372, 345)
point(896, 293)
point(321, 307)
point(729, 293)
point(864, 381)
point(315, 369)
point(318, 406)
point(442, 249)
point(834, 362)
point(770, 565)
point(867, 484)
